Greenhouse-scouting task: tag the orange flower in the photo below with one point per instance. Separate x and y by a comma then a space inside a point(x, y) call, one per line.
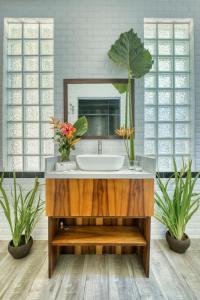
point(124, 132)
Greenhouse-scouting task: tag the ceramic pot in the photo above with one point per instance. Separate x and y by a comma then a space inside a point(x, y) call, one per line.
point(22, 250)
point(65, 166)
point(177, 245)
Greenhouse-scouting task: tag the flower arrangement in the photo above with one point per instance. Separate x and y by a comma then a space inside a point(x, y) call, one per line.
point(67, 135)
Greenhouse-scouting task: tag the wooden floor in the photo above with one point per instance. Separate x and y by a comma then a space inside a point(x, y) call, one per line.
point(101, 277)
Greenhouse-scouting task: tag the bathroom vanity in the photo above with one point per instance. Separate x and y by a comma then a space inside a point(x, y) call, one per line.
point(99, 212)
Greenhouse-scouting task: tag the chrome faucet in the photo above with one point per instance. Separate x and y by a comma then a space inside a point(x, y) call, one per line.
point(99, 147)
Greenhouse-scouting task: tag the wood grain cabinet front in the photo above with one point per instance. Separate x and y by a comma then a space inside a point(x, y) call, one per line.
point(99, 197)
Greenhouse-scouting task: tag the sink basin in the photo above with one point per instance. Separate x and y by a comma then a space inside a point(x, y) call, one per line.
point(100, 162)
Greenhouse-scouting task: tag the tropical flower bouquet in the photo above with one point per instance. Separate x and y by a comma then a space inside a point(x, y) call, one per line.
point(67, 135)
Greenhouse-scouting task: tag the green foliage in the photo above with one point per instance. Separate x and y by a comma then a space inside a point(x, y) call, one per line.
point(22, 211)
point(175, 211)
point(81, 126)
point(121, 87)
point(128, 51)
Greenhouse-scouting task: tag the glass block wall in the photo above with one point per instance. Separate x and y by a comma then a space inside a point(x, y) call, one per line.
point(28, 98)
point(168, 93)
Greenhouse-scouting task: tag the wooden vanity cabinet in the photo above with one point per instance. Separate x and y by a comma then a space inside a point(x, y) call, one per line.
point(99, 216)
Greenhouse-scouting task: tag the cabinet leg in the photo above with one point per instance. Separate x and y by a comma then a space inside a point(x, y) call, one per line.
point(53, 255)
point(144, 252)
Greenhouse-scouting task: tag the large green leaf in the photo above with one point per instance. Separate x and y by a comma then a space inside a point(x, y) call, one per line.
point(81, 126)
point(121, 87)
point(129, 52)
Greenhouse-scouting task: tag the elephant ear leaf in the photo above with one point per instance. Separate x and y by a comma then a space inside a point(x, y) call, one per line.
point(129, 52)
point(81, 126)
point(121, 87)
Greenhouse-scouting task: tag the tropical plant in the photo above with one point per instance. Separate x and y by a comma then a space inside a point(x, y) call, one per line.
point(22, 211)
point(175, 211)
point(67, 135)
point(128, 52)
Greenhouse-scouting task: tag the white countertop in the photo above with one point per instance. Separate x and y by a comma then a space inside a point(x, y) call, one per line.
point(123, 173)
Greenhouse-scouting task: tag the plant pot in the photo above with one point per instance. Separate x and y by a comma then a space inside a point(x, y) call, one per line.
point(179, 246)
point(65, 166)
point(22, 250)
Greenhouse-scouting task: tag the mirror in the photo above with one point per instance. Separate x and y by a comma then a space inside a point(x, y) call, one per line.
point(99, 101)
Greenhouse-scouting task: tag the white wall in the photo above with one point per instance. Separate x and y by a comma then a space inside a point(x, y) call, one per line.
point(84, 32)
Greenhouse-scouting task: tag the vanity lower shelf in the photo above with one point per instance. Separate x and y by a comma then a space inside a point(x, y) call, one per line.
point(100, 235)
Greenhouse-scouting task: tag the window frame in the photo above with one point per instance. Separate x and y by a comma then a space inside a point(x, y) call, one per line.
point(191, 104)
point(41, 155)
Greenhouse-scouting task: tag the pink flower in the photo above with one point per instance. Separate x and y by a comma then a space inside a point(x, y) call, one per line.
point(67, 129)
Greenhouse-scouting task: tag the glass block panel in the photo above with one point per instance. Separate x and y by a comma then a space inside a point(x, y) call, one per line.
point(14, 113)
point(182, 147)
point(182, 81)
point(182, 64)
point(165, 97)
point(46, 131)
point(31, 96)
point(14, 63)
point(181, 31)
point(151, 46)
point(164, 81)
point(31, 63)
point(182, 130)
point(180, 159)
point(14, 80)
point(165, 64)
point(31, 47)
point(31, 31)
point(14, 47)
point(165, 163)
point(164, 113)
point(165, 31)
point(150, 81)
point(14, 31)
point(15, 163)
point(181, 48)
point(14, 97)
point(31, 130)
point(31, 113)
point(46, 80)
point(31, 146)
point(46, 113)
point(14, 147)
point(46, 47)
point(149, 130)
point(182, 97)
point(31, 80)
point(149, 147)
point(46, 63)
point(47, 147)
point(165, 147)
point(149, 31)
point(149, 114)
point(14, 130)
point(165, 48)
point(46, 96)
point(165, 130)
point(32, 163)
point(46, 31)
point(181, 113)
point(150, 97)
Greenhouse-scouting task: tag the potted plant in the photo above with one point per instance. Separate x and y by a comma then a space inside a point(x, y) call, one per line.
point(22, 212)
point(128, 52)
point(174, 211)
point(66, 136)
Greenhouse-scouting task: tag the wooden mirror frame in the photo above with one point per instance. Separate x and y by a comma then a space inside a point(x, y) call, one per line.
point(95, 81)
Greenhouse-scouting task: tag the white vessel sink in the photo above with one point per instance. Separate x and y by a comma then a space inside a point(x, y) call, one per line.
point(100, 162)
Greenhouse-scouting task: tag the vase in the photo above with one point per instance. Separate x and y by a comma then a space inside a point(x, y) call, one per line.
point(179, 246)
point(65, 166)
